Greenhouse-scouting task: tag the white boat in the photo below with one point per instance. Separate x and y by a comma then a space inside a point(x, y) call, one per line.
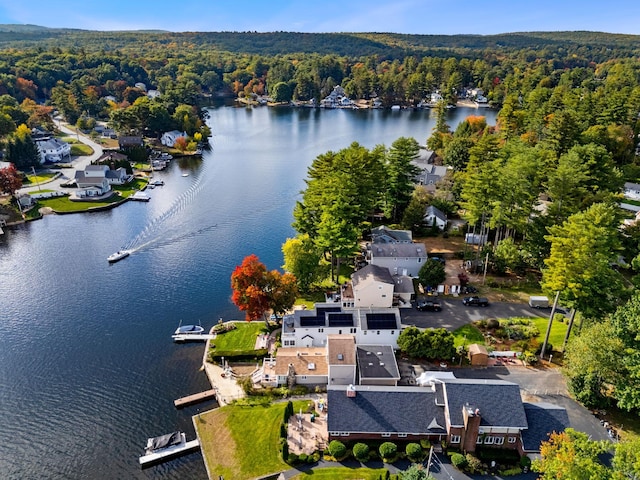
point(166, 447)
point(189, 330)
point(157, 183)
point(119, 255)
point(185, 174)
point(140, 197)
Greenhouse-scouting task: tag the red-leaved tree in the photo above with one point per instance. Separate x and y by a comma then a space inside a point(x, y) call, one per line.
point(256, 290)
point(10, 180)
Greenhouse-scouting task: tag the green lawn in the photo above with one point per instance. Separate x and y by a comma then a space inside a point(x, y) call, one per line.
point(63, 204)
point(80, 149)
point(343, 473)
point(38, 178)
point(243, 442)
point(242, 338)
point(130, 188)
point(558, 331)
point(468, 334)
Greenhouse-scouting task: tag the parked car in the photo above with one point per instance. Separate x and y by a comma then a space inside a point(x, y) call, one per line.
point(430, 305)
point(475, 301)
point(438, 259)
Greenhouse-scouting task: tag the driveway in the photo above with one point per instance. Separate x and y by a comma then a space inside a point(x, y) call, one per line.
point(454, 314)
point(79, 163)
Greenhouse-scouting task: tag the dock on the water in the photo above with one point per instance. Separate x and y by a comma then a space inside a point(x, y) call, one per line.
point(195, 398)
point(192, 338)
point(169, 453)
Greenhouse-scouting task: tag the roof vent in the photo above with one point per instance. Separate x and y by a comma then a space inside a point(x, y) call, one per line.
point(351, 391)
point(312, 366)
point(368, 353)
point(340, 356)
point(382, 364)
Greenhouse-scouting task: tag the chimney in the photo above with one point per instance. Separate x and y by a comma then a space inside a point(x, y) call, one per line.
point(472, 418)
point(351, 391)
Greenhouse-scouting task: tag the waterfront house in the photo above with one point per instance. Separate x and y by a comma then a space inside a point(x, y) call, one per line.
point(632, 191)
point(466, 414)
point(168, 139)
point(296, 366)
point(384, 234)
point(52, 150)
point(130, 142)
point(312, 328)
point(435, 217)
point(372, 286)
point(398, 258)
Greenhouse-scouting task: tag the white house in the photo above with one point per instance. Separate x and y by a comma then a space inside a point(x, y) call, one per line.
point(53, 150)
point(311, 328)
point(372, 287)
point(398, 258)
point(94, 179)
point(296, 366)
point(337, 98)
point(434, 216)
point(141, 86)
point(632, 191)
point(153, 94)
point(169, 138)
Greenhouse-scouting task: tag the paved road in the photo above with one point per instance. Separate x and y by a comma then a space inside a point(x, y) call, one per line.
point(455, 315)
point(79, 163)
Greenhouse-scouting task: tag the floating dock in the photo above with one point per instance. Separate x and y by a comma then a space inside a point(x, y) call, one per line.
point(190, 337)
point(169, 453)
point(195, 398)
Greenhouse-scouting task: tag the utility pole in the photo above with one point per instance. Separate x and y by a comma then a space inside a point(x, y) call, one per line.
point(546, 337)
point(34, 174)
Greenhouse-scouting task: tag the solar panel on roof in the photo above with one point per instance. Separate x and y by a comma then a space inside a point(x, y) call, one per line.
point(317, 321)
point(324, 310)
point(340, 319)
point(381, 321)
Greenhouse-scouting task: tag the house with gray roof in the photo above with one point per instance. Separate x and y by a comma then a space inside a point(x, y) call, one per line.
point(465, 413)
point(435, 217)
point(372, 287)
point(383, 234)
point(398, 258)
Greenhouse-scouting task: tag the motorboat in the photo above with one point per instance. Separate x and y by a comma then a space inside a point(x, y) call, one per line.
point(185, 174)
point(189, 330)
point(165, 442)
point(140, 197)
point(165, 447)
point(157, 183)
point(119, 255)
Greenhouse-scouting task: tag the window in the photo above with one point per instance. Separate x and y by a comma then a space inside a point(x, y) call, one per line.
point(320, 330)
point(454, 439)
point(386, 435)
point(489, 440)
point(512, 439)
point(499, 440)
point(402, 435)
point(383, 296)
point(419, 259)
point(334, 434)
point(378, 332)
point(479, 440)
point(344, 434)
point(353, 330)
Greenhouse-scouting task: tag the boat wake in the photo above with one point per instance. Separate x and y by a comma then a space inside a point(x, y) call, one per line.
point(155, 231)
point(158, 241)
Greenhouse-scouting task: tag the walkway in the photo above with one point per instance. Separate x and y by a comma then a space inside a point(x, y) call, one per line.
point(221, 379)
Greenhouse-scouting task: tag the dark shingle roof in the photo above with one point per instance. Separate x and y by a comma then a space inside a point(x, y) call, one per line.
point(377, 361)
point(543, 419)
point(378, 273)
point(384, 410)
point(499, 402)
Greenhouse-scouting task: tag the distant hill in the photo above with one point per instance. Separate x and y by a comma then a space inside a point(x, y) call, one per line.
point(385, 45)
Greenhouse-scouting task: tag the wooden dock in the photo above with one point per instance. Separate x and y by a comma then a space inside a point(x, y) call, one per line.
point(195, 398)
point(190, 337)
point(169, 453)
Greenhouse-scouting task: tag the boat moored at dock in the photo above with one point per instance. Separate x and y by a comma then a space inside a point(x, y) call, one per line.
point(165, 447)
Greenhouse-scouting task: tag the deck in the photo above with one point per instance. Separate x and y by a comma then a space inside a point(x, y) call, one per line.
point(195, 398)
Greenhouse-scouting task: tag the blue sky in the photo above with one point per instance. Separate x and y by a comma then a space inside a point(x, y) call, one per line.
point(400, 16)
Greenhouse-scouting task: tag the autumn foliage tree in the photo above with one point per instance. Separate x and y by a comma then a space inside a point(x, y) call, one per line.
point(10, 180)
point(257, 290)
point(180, 144)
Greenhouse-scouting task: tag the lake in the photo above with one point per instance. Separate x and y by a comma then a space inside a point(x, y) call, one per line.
point(88, 370)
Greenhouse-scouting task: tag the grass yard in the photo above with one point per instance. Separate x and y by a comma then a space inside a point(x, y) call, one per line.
point(80, 149)
point(38, 178)
point(468, 334)
point(243, 442)
point(130, 188)
point(242, 338)
point(63, 204)
point(343, 473)
point(558, 331)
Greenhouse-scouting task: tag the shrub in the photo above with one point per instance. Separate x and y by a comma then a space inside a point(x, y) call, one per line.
point(388, 451)
point(511, 471)
point(337, 449)
point(315, 457)
point(426, 444)
point(549, 349)
point(292, 459)
point(414, 451)
point(525, 462)
point(474, 464)
point(493, 323)
point(285, 451)
point(283, 431)
point(303, 457)
point(361, 452)
point(459, 461)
